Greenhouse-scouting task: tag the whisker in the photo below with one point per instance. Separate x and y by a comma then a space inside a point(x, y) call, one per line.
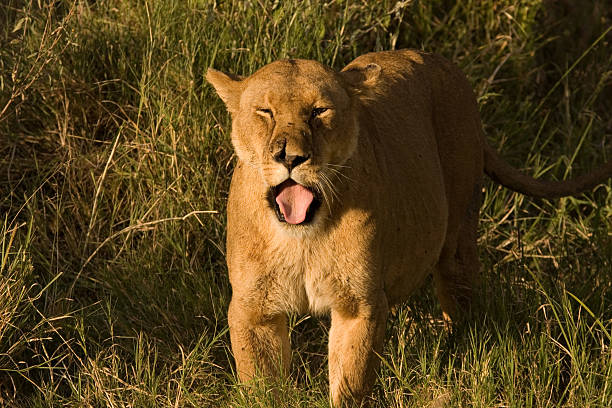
point(334, 189)
point(321, 189)
point(337, 165)
point(329, 184)
point(325, 186)
point(339, 174)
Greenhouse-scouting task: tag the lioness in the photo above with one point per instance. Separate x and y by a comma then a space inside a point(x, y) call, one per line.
point(350, 188)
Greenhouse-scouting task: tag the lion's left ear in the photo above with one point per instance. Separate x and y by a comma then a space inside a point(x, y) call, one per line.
point(360, 78)
point(228, 87)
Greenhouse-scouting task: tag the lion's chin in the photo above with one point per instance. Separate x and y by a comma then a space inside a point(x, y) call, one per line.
point(293, 203)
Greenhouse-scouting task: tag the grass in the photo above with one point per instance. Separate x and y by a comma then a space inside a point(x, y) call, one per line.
point(114, 170)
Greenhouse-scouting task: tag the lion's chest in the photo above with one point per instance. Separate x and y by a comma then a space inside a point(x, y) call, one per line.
point(301, 280)
point(322, 272)
point(319, 292)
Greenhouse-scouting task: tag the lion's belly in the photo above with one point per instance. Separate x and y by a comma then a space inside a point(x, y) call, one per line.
point(417, 245)
point(412, 252)
point(413, 230)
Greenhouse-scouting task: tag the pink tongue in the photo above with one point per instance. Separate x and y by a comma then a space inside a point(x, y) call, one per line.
point(293, 201)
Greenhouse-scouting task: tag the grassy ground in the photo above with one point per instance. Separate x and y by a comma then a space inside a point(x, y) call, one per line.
point(114, 170)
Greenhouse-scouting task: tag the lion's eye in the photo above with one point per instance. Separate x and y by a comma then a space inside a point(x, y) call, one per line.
point(265, 112)
point(317, 112)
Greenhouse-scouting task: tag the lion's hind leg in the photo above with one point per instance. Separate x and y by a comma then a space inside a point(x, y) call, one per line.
point(458, 269)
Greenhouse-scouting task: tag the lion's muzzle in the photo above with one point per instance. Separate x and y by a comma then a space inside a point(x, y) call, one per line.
point(294, 203)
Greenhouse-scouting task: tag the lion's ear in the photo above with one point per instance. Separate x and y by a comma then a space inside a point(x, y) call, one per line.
point(228, 87)
point(361, 78)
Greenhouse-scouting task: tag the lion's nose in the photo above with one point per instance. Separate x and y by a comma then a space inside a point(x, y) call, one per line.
point(292, 161)
point(289, 159)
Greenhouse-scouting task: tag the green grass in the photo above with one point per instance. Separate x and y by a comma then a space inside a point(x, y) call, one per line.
point(114, 170)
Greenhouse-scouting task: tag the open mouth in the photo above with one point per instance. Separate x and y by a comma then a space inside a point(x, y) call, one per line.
point(293, 203)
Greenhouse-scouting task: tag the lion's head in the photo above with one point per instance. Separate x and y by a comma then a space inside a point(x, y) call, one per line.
point(295, 122)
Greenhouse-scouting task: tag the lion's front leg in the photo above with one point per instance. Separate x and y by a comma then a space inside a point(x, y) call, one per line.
point(260, 343)
point(354, 340)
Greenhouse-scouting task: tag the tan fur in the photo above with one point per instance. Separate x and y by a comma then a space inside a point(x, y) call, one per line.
point(398, 158)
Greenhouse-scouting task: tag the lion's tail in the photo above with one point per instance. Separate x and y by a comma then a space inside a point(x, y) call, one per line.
point(503, 173)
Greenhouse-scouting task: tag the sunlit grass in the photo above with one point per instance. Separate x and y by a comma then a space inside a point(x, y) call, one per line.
point(114, 170)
